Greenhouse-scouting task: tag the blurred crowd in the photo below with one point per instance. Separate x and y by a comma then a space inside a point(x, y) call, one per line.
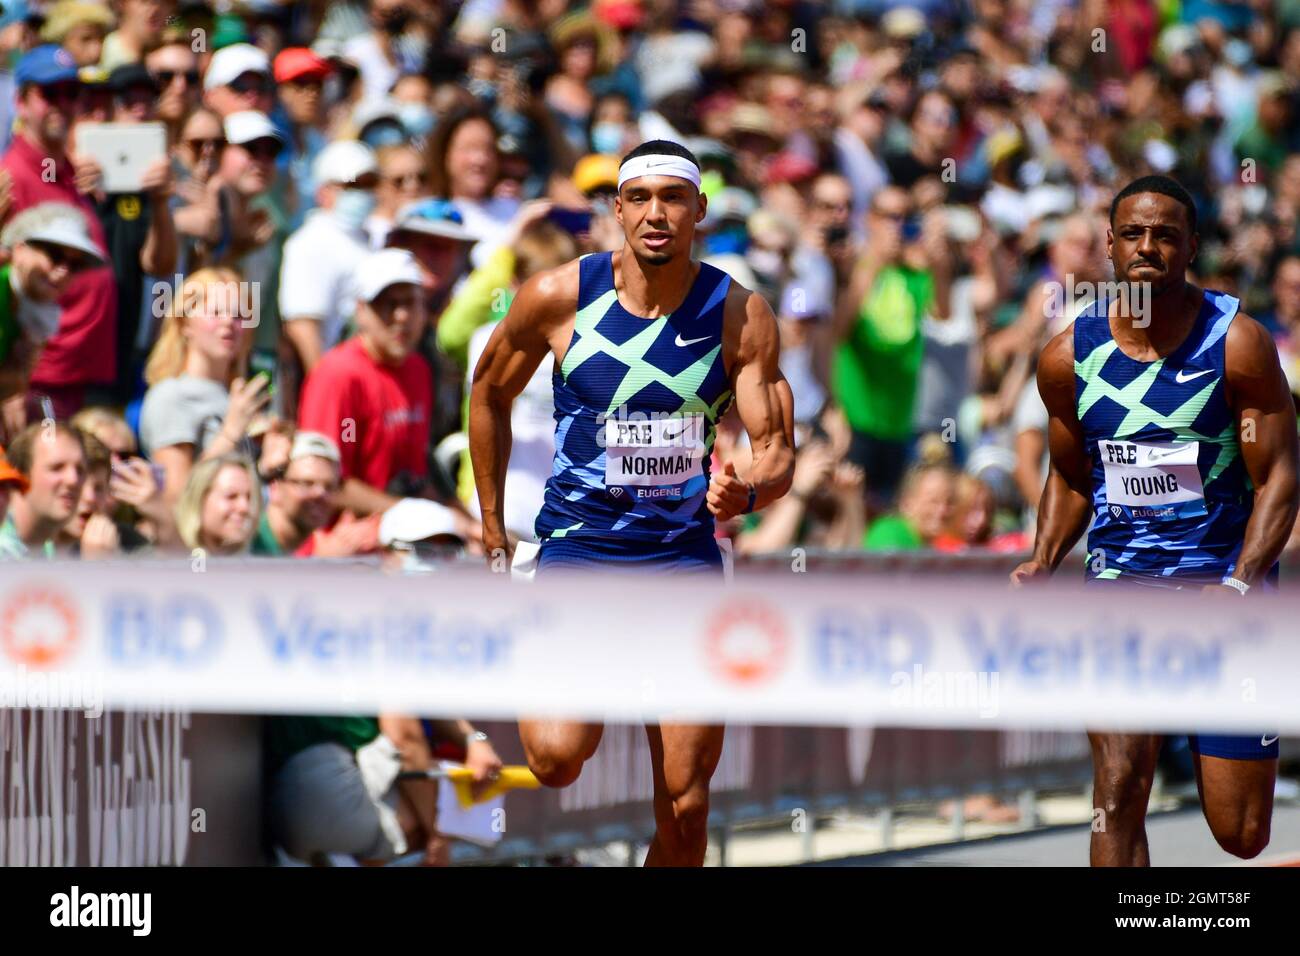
point(350, 193)
point(261, 343)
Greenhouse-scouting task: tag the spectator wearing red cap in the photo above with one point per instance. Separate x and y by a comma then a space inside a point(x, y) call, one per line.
point(83, 351)
point(300, 75)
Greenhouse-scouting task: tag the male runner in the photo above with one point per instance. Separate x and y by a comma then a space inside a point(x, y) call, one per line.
point(1177, 439)
point(650, 350)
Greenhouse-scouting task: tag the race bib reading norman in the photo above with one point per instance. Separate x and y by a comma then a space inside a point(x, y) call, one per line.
point(653, 458)
point(1152, 479)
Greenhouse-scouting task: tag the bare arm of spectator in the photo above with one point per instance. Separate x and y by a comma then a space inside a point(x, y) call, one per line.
point(305, 335)
point(200, 218)
point(158, 255)
point(176, 461)
point(480, 756)
point(247, 400)
point(939, 256)
point(133, 483)
point(780, 525)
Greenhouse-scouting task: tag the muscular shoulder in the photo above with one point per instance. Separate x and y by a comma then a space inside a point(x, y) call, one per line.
point(551, 295)
point(749, 325)
point(1056, 370)
point(1250, 356)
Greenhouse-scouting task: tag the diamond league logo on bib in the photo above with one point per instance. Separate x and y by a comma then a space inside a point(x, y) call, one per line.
point(1116, 511)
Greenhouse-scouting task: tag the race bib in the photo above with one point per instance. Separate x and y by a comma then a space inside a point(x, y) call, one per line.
point(1152, 479)
point(653, 458)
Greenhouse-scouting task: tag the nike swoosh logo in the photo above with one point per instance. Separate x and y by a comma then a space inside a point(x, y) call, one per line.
point(1157, 454)
point(667, 437)
point(1180, 378)
point(1267, 741)
point(685, 342)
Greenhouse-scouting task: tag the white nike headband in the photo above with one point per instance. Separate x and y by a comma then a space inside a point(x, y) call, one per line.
point(659, 165)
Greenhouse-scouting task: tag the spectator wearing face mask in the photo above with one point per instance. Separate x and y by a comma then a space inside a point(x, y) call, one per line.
point(317, 296)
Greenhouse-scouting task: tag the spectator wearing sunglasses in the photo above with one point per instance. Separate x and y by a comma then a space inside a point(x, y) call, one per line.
point(83, 351)
point(201, 206)
point(48, 244)
point(300, 75)
point(79, 27)
point(402, 180)
point(175, 71)
point(141, 23)
point(238, 79)
point(140, 236)
point(317, 295)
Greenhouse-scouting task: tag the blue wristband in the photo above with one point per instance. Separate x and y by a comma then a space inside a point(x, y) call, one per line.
point(753, 496)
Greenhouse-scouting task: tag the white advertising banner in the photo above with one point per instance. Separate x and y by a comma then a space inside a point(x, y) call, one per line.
point(770, 648)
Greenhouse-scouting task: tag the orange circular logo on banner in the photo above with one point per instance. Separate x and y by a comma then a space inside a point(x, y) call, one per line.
point(38, 627)
point(747, 643)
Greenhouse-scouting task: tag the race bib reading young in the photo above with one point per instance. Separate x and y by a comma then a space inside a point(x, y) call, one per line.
point(1152, 479)
point(653, 458)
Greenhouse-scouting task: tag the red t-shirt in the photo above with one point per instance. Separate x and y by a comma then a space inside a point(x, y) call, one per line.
point(378, 414)
point(84, 349)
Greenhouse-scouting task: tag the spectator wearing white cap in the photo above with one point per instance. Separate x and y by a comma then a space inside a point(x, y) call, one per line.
point(47, 244)
point(238, 79)
point(373, 394)
point(301, 503)
point(317, 297)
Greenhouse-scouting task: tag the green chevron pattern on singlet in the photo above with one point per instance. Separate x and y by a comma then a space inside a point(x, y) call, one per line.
point(639, 372)
point(1140, 416)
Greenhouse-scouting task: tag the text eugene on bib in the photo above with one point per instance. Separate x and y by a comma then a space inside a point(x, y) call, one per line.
point(653, 458)
point(1152, 479)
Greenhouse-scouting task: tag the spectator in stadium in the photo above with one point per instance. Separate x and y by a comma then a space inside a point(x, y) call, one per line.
point(247, 172)
point(402, 180)
point(135, 491)
point(218, 510)
point(334, 786)
point(139, 234)
point(300, 76)
point(394, 44)
point(47, 245)
point(878, 331)
point(79, 27)
point(82, 352)
point(301, 504)
point(973, 525)
point(11, 480)
point(464, 166)
point(201, 208)
point(174, 67)
point(238, 80)
point(53, 460)
point(537, 245)
point(140, 26)
point(199, 405)
point(433, 231)
point(91, 532)
point(582, 49)
point(372, 394)
point(317, 295)
point(925, 507)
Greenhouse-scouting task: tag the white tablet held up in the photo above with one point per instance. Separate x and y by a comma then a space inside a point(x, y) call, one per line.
point(123, 151)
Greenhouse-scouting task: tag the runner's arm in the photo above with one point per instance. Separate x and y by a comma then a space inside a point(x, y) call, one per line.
point(513, 352)
point(766, 408)
point(1258, 393)
point(1065, 507)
